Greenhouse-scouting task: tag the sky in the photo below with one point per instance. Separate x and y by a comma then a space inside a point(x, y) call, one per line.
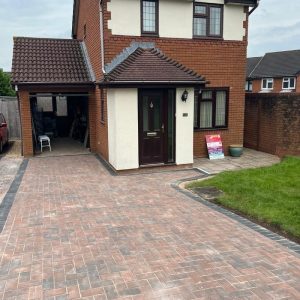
point(274, 26)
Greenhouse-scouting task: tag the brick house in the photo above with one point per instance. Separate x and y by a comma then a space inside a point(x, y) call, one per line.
point(276, 72)
point(156, 76)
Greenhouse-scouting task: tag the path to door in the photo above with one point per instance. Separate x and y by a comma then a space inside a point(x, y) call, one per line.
point(75, 231)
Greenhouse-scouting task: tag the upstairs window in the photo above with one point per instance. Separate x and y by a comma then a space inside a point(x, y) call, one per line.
point(149, 15)
point(208, 20)
point(267, 84)
point(288, 83)
point(211, 109)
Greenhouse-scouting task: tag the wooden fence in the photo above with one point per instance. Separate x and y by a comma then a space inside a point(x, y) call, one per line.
point(10, 109)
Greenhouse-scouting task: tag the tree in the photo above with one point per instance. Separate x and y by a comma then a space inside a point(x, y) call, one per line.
point(5, 86)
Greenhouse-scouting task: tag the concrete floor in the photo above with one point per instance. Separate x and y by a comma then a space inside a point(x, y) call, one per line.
point(249, 159)
point(63, 146)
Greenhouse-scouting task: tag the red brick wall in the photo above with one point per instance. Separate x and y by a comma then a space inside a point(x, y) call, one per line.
point(89, 15)
point(223, 63)
point(272, 123)
point(26, 128)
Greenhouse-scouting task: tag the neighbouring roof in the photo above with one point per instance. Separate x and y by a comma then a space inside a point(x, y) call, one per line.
point(243, 2)
point(252, 62)
point(276, 64)
point(53, 61)
point(151, 66)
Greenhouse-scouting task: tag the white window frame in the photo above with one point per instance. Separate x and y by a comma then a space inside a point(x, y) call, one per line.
point(268, 80)
point(288, 79)
point(249, 86)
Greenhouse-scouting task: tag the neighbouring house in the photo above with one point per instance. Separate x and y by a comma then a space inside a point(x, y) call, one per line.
point(141, 82)
point(276, 72)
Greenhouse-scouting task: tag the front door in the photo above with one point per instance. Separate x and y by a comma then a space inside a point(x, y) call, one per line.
point(156, 126)
point(151, 127)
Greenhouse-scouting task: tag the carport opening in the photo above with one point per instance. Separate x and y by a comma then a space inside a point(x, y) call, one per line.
point(64, 119)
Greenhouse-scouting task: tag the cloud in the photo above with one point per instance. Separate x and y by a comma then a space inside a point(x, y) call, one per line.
point(274, 26)
point(39, 18)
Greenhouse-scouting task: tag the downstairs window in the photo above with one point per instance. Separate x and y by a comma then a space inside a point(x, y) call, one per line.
point(211, 109)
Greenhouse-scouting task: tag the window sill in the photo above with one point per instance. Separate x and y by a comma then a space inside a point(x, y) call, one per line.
point(208, 38)
point(150, 34)
point(210, 129)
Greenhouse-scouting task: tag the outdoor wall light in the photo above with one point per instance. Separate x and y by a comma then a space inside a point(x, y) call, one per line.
point(184, 96)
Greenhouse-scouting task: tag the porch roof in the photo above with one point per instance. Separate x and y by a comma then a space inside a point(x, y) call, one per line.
point(151, 66)
point(49, 61)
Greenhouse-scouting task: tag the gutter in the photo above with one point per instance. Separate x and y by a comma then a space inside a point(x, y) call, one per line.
point(141, 82)
point(101, 35)
point(254, 8)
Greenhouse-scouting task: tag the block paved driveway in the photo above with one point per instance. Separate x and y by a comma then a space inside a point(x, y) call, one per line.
point(75, 231)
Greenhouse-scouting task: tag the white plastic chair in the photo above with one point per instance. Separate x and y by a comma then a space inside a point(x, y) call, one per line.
point(44, 141)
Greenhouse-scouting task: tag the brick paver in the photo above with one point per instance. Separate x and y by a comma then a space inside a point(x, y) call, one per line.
point(75, 231)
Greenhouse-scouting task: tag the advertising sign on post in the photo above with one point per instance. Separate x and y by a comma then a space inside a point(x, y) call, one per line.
point(214, 146)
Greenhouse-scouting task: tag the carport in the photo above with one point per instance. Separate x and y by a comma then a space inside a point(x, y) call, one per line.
point(56, 94)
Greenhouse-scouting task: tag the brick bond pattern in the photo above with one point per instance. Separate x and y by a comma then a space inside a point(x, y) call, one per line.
point(75, 231)
point(223, 63)
point(272, 123)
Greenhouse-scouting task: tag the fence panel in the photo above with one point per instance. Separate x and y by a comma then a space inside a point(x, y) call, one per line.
point(9, 108)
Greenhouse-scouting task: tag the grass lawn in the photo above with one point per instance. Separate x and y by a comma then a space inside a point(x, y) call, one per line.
point(269, 195)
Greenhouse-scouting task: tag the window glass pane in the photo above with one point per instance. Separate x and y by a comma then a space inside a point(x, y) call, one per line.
point(145, 113)
point(171, 114)
point(199, 26)
point(155, 105)
point(292, 83)
point(196, 109)
point(206, 114)
point(250, 86)
point(200, 9)
point(45, 104)
point(149, 16)
point(220, 108)
point(207, 95)
point(270, 84)
point(61, 107)
point(246, 85)
point(215, 21)
point(285, 84)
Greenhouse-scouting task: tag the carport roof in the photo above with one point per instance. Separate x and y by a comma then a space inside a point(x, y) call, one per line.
point(49, 61)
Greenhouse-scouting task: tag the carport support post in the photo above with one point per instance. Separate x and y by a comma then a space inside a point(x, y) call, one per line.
point(92, 120)
point(25, 114)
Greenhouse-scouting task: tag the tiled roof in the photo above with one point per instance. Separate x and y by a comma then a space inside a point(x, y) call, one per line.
point(151, 66)
point(278, 64)
point(42, 60)
point(251, 64)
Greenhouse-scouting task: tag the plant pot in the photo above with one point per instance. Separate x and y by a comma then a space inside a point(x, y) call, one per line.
point(236, 150)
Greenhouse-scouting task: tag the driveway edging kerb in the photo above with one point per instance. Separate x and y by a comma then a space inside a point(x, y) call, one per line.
point(257, 228)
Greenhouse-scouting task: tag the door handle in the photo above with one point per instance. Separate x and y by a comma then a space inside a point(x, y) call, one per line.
point(163, 128)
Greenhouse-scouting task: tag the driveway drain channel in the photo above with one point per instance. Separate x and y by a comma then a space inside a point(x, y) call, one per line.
point(9, 197)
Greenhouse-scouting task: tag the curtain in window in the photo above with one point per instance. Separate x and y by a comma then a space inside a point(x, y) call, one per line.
point(149, 16)
point(199, 26)
point(220, 108)
point(206, 114)
point(215, 21)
